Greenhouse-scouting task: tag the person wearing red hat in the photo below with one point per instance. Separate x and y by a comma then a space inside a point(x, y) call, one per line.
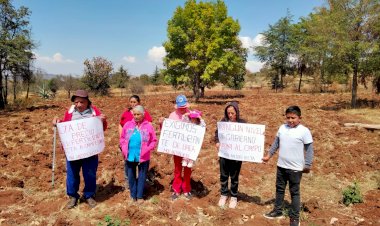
point(81, 109)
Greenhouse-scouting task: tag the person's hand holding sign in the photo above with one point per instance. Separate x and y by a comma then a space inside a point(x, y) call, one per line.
point(266, 158)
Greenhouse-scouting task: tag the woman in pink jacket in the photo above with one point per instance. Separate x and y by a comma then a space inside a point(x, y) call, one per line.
point(137, 141)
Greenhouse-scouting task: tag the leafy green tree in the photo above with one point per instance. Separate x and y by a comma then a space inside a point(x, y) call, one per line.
point(203, 47)
point(28, 79)
point(343, 41)
point(53, 85)
point(156, 76)
point(70, 83)
point(120, 79)
point(278, 47)
point(302, 59)
point(352, 44)
point(97, 73)
point(15, 45)
point(144, 79)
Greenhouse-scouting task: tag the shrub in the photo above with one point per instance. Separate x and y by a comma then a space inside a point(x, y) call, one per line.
point(136, 87)
point(109, 221)
point(154, 200)
point(352, 195)
point(43, 92)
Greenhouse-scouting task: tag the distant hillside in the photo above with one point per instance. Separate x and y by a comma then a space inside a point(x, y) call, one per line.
point(50, 76)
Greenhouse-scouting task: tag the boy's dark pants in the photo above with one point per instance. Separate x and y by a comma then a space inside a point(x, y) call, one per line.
point(294, 178)
point(229, 168)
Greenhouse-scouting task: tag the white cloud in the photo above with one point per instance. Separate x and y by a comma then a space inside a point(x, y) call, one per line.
point(249, 42)
point(57, 58)
point(258, 40)
point(254, 66)
point(156, 53)
point(57, 64)
point(129, 59)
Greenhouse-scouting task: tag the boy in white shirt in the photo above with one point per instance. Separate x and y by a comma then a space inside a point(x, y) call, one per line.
point(292, 140)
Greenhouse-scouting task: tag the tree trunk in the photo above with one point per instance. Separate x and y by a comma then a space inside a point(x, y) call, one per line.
point(277, 81)
point(354, 86)
point(299, 83)
point(2, 103)
point(301, 72)
point(283, 73)
point(6, 90)
point(202, 91)
point(377, 85)
point(322, 78)
point(27, 90)
point(14, 88)
point(196, 87)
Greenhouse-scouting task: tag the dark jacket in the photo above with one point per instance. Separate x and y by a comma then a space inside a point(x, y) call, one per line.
point(226, 119)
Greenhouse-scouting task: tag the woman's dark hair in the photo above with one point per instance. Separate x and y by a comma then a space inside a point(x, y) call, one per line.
point(293, 109)
point(135, 97)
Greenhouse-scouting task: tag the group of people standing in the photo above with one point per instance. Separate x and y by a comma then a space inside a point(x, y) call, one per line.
point(138, 139)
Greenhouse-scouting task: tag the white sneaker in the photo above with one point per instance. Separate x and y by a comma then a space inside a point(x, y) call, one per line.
point(222, 200)
point(184, 163)
point(233, 203)
point(190, 163)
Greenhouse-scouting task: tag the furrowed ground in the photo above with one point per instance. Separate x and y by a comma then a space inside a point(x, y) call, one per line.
point(342, 155)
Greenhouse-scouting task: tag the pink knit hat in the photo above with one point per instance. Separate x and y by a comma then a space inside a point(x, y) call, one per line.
point(195, 114)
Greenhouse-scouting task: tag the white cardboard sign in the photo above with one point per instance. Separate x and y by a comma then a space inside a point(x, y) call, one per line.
point(81, 138)
point(181, 138)
point(241, 141)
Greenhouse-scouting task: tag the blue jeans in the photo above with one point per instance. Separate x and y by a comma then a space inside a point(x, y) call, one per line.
point(89, 167)
point(126, 171)
point(294, 179)
point(136, 185)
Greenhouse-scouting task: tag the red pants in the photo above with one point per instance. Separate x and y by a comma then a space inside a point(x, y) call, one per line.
point(180, 183)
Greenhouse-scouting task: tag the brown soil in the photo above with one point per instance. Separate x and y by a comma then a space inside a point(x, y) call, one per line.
point(342, 155)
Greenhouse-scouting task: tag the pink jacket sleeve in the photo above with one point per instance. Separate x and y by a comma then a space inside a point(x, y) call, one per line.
point(153, 138)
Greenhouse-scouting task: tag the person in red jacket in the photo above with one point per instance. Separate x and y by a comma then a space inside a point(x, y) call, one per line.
point(81, 109)
point(137, 141)
point(127, 116)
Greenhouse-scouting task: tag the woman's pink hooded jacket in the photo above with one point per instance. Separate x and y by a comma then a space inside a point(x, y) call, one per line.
point(148, 136)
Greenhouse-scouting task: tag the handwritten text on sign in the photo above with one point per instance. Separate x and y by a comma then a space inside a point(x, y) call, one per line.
point(241, 141)
point(81, 138)
point(181, 138)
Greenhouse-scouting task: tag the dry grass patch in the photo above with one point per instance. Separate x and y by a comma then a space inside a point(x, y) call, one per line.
point(367, 115)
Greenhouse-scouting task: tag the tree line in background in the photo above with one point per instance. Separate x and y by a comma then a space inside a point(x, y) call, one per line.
point(339, 42)
point(15, 49)
point(336, 43)
point(98, 78)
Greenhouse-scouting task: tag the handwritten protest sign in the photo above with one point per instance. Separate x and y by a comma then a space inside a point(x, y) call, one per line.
point(181, 138)
point(241, 141)
point(81, 138)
